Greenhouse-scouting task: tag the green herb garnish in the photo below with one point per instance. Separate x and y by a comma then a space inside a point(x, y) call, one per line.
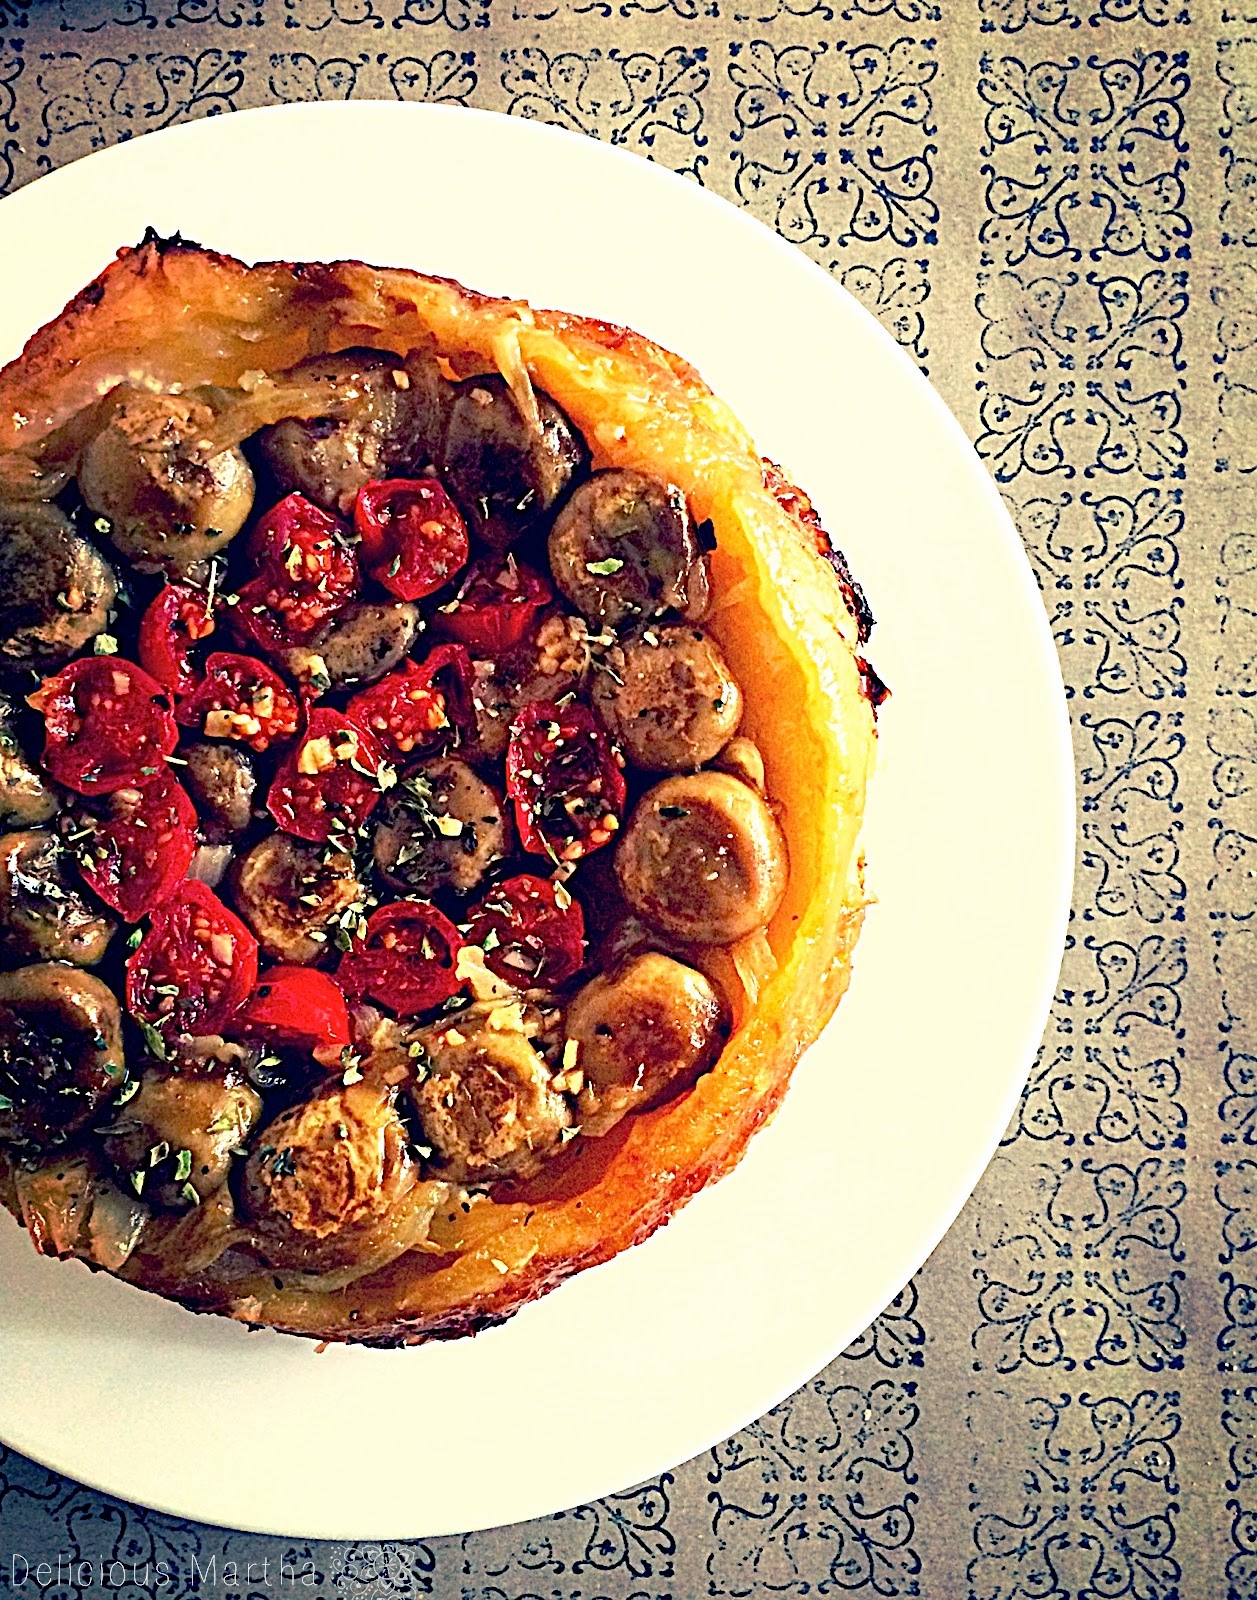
point(153, 1039)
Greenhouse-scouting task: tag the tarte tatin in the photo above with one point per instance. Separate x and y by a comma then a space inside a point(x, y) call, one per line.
point(433, 749)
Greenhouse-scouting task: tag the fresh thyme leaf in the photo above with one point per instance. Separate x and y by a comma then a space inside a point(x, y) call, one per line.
point(153, 1039)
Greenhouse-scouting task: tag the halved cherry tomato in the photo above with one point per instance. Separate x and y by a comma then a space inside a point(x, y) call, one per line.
point(449, 669)
point(495, 607)
point(419, 708)
point(299, 1007)
point(413, 536)
point(565, 781)
point(179, 618)
point(107, 725)
point(135, 859)
point(406, 960)
point(405, 711)
point(329, 782)
point(531, 931)
point(306, 573)
point(241, 698)
point(196, 965)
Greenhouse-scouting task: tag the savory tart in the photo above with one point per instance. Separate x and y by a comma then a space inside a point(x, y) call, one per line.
point(433, 749)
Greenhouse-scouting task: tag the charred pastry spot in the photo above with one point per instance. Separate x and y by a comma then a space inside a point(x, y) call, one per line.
point(853, 594)
point(871, 685)
point(167, 243)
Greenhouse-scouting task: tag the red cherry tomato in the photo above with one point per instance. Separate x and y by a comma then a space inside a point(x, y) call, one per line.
point(328, 783)
point(495, 608)
point(562, 775)
point(449, 669)
point(405, 712)
point(301, 1008)
point(107, 725)
point(306, 573)
point(179, 618)
point(241, 698)
point(135, 859)
point(196, 965)
point(419, 708)
point(531, 930)
point(413, 538)
point(406, 960)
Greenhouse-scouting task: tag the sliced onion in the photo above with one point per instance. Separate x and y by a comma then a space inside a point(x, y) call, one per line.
point(71, 1210)
point(407, 1230)
point(378, 1035)
point(509, 360)
point(197, 1240)
point(241, 414)
point(754, 962)
point(55, 1200)
point(740, 593)
point(114, 1227)
point(191, 1244)
point(21, 478)
point(209, 864)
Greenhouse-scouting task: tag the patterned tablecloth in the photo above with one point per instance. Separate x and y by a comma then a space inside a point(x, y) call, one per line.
point(1052, 205)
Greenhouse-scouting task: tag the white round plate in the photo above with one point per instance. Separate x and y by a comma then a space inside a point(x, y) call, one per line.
point(763, 1279)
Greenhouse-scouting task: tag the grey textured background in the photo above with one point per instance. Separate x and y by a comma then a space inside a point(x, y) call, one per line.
point(1052, 204)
